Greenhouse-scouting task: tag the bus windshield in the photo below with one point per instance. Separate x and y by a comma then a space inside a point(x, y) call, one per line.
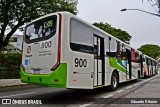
point(40, 30)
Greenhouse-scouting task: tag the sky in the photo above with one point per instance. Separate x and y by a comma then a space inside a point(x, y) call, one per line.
point(141, 26)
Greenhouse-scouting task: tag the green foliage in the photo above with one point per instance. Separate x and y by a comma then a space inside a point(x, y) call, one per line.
point(118, 33)
point(15, 13)
point(9, 65)
point(150, 50)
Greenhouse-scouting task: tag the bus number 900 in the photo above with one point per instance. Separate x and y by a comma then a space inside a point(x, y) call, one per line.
point(46, 44)
point(80, 62)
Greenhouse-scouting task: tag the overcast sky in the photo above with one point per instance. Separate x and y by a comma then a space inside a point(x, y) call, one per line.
point(141, 26)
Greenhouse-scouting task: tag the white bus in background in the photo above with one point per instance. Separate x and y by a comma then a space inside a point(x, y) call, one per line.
point(149, 66)
point(62, 50)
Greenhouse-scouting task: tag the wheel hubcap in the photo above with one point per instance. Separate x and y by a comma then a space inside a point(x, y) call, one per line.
point(114, 82)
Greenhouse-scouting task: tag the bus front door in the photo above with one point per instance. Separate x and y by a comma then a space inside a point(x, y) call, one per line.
point(98, 61)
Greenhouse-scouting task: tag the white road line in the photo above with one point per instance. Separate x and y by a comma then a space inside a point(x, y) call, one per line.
point(153, 85)
point(136, 84)
point(120, 91)
point(84, 105)
point(144, 81)
point(16, 95)
point(141, 82)
point(129, 87)
point(149, 79)
point(108, 96)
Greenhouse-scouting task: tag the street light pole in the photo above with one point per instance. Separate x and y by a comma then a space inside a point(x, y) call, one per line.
point(141, 11)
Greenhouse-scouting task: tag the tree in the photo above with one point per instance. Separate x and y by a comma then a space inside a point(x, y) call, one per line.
point(150, 50)
point(15, 13)
point(118, 33)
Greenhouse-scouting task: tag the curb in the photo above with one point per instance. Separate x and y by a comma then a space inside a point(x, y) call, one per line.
point(10, 82)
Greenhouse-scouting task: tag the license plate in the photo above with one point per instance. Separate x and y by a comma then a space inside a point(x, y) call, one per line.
point(36, 70)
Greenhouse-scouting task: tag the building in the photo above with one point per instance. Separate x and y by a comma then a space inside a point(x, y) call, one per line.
point(16, 41)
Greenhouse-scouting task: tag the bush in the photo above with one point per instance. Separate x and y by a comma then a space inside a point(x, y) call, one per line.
point(9, 65)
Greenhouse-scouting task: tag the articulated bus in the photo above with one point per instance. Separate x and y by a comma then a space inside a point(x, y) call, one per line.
point(61, 50)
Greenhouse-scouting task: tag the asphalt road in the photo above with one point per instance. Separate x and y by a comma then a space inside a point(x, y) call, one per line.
point(74, 98)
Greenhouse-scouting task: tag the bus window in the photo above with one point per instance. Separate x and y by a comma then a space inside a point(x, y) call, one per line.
point(81, 37)
point(119, 50)
point(41, 30)
point(143, 59)
point(124, 53)
point(124, 56)
point(137, 57)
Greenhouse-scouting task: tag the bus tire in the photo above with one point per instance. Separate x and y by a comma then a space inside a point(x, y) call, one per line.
point(114, 81)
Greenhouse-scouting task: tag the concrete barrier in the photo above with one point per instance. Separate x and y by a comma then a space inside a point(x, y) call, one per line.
point(11, 82)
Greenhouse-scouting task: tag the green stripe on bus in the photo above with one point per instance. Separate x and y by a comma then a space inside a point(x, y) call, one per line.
point(113, 63)
point(56, 79)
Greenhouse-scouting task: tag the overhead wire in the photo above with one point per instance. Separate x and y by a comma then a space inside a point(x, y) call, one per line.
point(153, 5)
point(158, 5)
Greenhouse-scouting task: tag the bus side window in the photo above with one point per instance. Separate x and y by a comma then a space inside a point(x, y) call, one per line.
point(95, 49)
point(138, 57)
point(143, 59)
point(147, 61)
point(123, 55)
point(111, 54)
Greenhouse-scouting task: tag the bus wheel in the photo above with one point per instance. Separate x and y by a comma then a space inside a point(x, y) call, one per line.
point(114, 81)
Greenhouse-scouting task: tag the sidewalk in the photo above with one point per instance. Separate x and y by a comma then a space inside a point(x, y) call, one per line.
point(10, 82)
point(150, 90)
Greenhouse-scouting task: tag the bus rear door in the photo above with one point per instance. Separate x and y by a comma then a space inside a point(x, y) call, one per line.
point(98, 61)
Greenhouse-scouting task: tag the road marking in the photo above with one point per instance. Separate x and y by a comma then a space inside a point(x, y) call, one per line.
point(144, 81)
point(84, 105)
point(149, 79)
point(120, 91)
point(129, 87)
point(141, 82)
point(136, 84)
point(16, 95)
point(108, 96)
point(153, 85)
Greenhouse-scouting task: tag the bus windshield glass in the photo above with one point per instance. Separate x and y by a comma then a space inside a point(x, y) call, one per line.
point(40, 30)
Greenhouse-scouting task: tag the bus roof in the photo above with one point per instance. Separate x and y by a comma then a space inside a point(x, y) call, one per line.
point(102, 31)
point(72, 15)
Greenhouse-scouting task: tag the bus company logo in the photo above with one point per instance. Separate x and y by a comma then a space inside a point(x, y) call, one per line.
point(29, 49)
point(6, 101)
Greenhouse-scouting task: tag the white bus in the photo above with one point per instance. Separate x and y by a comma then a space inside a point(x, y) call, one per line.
point(61, 50)
point(149, 66)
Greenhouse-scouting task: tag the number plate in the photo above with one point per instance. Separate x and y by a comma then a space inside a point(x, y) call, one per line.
point(36, 70)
